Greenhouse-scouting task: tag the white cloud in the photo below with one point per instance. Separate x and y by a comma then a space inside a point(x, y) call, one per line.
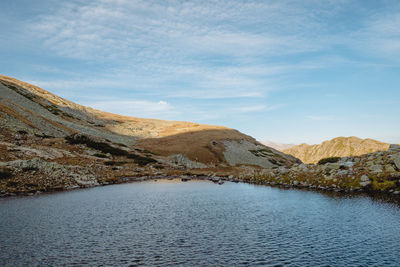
point(136, 108)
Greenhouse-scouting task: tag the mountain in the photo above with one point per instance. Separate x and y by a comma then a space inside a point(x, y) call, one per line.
point(277, 146)
point(44, 137)
point(337, 147)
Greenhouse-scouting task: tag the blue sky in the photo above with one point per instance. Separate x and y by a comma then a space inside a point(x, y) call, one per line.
point(286, 71)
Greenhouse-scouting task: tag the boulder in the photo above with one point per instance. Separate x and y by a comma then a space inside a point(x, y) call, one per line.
point(364, 178)
point(375, 168)
point(396, 160)
point(394, 148)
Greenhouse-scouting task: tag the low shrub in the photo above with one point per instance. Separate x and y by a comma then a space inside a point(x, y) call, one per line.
point(159, 167)
point(120, 144)
point(101, 146)
point(31, 185)
point(114, 163)
point(44, 136)
point(149, 152)
point(5, 174)
point(328, 160)
point(100, 155)
point(12, 183)
point(29, 168)
point(140, 160)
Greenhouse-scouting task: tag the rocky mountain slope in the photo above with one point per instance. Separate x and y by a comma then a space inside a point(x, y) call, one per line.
point(337, 147)
point(49, 142)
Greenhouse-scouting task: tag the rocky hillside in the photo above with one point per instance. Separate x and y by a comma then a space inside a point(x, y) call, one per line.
point(337, 147)
point(377, 172)
point(49, 142)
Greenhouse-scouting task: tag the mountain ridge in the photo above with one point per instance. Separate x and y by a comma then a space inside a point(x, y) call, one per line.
point(336, 147)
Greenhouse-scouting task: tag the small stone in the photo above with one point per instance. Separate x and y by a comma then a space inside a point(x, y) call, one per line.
point(364, 178)
point(365, 183)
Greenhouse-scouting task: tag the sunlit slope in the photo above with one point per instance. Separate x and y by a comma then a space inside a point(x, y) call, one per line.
point(29, 108)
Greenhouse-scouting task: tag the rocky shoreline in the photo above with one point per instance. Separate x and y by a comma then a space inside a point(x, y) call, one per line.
point(219, 180)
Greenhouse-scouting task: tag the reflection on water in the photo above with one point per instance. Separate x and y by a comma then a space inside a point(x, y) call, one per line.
point(198, 223)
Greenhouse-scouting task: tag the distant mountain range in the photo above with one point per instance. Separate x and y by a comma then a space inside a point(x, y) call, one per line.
point(337, 147)
point(277, 146)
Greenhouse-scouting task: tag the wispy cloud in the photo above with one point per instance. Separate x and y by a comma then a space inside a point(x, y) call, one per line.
point(136, 108)
point(211, 61)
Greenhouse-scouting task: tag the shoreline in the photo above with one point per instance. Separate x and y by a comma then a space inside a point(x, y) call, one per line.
point(376, 195)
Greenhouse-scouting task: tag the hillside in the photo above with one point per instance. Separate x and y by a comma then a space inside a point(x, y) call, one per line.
point(337, 147)
point(43, 136)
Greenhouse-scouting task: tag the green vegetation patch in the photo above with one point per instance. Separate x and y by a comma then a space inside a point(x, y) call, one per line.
point(114, 163)
point(140, 160)
point(44, 136)
point(262, 152)
point(383, 185)
point(29, 168)
point(101, 146)
point(31, 185)
point(100, 155)
point(275, 162)
point(22, 132)
point(328, 160)
point(12, 184)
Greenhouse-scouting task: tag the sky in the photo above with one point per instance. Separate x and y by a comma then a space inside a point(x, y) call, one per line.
point(285, 71)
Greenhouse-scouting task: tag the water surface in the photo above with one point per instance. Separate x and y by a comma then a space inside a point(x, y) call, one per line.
point(197, 223)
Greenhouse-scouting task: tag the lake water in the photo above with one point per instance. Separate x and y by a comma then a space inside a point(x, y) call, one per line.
point(197, 223)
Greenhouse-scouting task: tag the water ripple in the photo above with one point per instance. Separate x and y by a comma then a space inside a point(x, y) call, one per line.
point(197, 223)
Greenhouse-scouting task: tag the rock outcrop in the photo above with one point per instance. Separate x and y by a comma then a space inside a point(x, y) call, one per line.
point(374, 172)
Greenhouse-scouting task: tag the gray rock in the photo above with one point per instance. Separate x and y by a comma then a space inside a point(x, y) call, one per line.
point(389, 168)
point(394, 148)
point(331, 166)
point(179, 159)
point(375, 168)
point(396, 160)
point(342, 172)
point(365, 183)
point(364, 178)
